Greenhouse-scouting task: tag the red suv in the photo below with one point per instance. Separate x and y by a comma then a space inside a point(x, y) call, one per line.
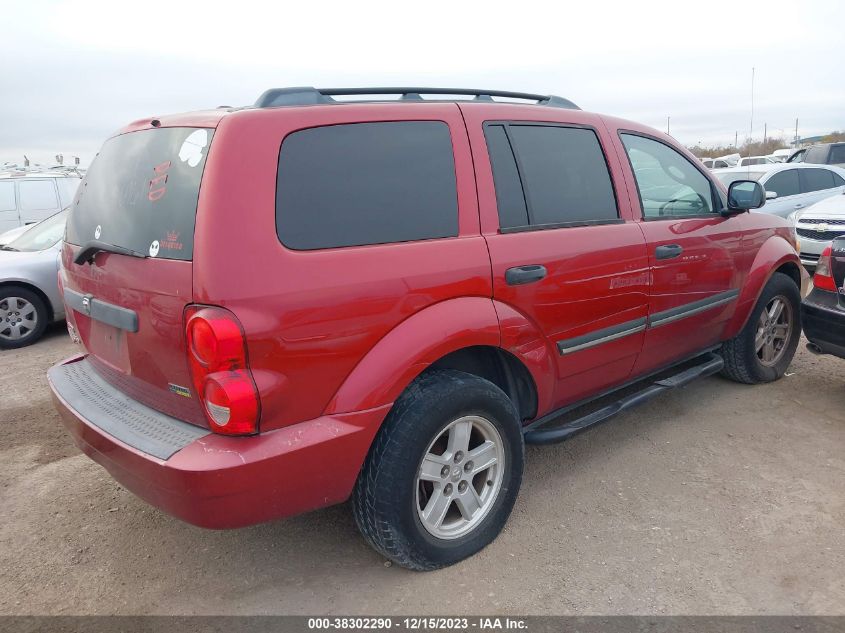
point(291, 304)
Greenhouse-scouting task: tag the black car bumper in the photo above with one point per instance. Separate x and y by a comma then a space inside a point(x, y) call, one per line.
point(824, 322)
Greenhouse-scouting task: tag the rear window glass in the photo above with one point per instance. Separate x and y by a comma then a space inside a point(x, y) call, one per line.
point(366, 183)
point(141, 192)
point(837, 154)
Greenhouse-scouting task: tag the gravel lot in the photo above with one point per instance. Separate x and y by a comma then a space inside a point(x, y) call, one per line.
point(717, 498)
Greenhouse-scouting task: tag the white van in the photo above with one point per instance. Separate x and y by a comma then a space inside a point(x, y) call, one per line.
point(27, 197)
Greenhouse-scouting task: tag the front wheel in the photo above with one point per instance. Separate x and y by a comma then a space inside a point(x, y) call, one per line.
point(443, 473)
point(762, 351)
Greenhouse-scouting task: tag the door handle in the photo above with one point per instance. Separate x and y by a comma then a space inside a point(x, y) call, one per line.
point(524, 274)
point(798, 206)
point(669, 251)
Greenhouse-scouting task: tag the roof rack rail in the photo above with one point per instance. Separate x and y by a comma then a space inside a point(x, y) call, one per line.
point(306, 95)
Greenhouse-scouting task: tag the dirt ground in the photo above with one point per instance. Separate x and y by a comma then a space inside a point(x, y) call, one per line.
point(715, 499)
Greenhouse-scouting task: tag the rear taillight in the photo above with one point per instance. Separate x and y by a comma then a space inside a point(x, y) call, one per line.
point(220, 371)
point(823, 279)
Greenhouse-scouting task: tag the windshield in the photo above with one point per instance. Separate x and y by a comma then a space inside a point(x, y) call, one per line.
point(731, 176)
point(42, 235)
point(141, 192)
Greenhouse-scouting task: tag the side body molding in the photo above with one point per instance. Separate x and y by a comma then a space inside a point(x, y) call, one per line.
point(412, 346)
point(775, 252)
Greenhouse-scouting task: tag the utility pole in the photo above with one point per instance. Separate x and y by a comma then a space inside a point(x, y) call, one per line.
point(751, 127)
point(765, 132)
point(736, 139)
point(667, 125)
point(796, 133)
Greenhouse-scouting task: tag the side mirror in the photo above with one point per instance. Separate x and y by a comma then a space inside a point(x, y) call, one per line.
point(771, 195)
point(744, 195)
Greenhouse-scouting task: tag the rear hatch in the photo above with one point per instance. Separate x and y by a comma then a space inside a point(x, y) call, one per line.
point(140, 196)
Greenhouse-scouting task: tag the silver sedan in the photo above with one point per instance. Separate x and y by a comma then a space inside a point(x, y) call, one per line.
point(29, 287)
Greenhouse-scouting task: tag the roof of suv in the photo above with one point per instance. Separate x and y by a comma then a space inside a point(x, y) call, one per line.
point(307, 96)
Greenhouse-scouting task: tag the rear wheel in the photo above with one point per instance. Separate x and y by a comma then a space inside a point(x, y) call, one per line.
point(443, 473)
point(762, 351)
point(23, 317)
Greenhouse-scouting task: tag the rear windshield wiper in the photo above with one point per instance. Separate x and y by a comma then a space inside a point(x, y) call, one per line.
point(90, 249)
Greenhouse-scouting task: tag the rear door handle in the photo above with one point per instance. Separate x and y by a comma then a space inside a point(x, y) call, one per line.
point(524, 274)
point(669, 251)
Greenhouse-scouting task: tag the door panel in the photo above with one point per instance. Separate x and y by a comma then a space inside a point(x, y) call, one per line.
point(695, 255)
point(592, 301)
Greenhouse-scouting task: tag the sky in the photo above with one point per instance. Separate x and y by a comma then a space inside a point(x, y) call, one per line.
point(75, 71)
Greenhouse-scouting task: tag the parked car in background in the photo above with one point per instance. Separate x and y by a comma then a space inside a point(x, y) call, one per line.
point(817, 225)
point(29, 289)
point(825, 154)
point(780, 155)
point(797, 156)
point(405, 293)
point(823, 310)
point(789, 187)
point(30, 195)
point(715, 163)
point(754, 160)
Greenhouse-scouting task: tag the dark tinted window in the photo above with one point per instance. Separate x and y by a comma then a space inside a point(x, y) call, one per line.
point(784, 183)
point(668, 183)
point(142, 191)
point(816, 180)
point(837, 154)
point(564, 174)
point(838, 180)
point(366, 183)
point(509, 196)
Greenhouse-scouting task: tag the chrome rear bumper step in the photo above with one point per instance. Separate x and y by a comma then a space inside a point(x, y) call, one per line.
point(538, 432)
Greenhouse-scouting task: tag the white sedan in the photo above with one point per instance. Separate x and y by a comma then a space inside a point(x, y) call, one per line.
point(789, 187)
point(818, 225)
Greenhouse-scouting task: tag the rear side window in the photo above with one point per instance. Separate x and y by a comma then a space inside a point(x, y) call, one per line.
point(784, 183)
point(7, 196)
point(366, 183)
point(837, 154)
point(141, 192)
point(816, 180)
point(37, 195)
point(562, 173)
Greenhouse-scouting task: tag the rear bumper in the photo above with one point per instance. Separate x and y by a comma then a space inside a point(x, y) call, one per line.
point(216, 481)
point(823, 322)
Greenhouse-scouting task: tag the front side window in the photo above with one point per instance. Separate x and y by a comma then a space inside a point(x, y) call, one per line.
point(67, 189)
point(547, 175)
point(668, 183)
point(366, 183)
point(816, 180)
point(37, 195)
point(784, 183)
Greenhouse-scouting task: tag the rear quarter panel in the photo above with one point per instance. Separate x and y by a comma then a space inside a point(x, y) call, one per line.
point(311, 317)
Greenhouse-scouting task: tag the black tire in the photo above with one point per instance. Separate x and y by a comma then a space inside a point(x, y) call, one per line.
point(742, 362)
point(385, 497)
point(42, 316)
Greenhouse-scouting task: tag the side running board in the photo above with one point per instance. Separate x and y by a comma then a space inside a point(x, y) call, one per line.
point(535, 433)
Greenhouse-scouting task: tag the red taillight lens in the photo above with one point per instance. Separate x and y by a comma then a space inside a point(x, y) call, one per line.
point(222, 380)
point(823, 279)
